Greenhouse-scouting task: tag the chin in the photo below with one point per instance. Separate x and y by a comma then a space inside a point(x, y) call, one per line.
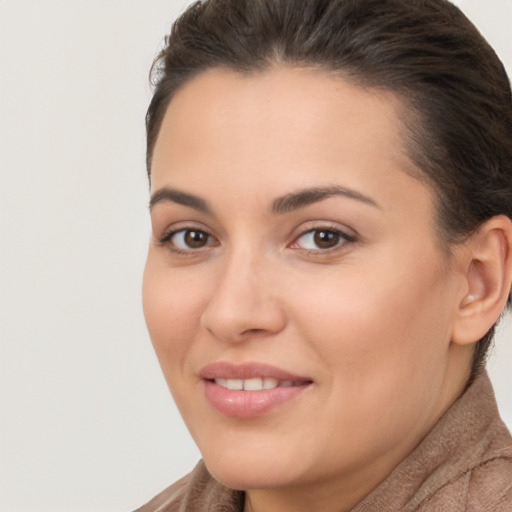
point(252, 469)
point(243, 476)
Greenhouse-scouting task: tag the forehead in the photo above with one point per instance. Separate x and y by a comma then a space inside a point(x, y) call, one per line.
point(280, 128)
point(296, 95)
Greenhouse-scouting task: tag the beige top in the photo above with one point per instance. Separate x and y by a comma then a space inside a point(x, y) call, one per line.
point(463, 465)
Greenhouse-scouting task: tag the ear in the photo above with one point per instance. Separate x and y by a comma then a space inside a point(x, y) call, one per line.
point(488, 275)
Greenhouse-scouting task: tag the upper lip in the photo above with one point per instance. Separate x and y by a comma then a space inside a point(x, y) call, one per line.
point(227, 370)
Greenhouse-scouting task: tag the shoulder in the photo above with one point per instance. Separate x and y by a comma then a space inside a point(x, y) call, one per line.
point(482, 488)
point(490, 485)
point(479, 477)
point(464, 464)
point(196, 492)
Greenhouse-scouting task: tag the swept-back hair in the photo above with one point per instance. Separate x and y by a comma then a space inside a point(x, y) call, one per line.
point(456, 93)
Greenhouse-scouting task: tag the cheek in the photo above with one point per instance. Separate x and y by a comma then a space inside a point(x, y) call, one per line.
point(383, 345)
point(377, 321)
point(172, 309)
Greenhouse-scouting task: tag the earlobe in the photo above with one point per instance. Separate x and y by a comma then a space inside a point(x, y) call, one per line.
point(488, 259)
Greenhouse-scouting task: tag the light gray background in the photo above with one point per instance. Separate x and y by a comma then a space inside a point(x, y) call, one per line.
point(86, 421)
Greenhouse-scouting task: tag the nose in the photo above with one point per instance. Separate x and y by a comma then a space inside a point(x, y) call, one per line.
point(245, 302)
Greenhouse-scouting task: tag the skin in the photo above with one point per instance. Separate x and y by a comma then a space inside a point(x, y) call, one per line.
point(370, 320)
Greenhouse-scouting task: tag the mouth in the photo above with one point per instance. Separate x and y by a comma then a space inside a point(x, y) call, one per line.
point(256, 383)
point(250, 390)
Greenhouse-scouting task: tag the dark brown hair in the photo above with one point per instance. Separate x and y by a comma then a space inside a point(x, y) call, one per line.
point(454, 87)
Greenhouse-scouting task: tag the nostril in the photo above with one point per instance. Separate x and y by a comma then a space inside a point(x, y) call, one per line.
point(254, 331)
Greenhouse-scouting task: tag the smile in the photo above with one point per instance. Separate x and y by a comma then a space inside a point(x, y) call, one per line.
point(250, 390)
point(254, 384)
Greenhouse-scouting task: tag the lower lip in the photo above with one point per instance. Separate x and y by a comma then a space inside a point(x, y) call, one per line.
point(249, 404)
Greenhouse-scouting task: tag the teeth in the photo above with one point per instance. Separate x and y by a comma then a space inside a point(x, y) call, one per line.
point(235, 384)
point(254, 384)
point(270, 383)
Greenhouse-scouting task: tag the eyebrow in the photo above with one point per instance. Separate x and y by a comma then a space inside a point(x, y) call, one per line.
point(172, 195)
point(305, 197)
point(284, 204)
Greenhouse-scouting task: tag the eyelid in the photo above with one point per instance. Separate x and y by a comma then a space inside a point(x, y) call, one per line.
point(344, 233)
point(348, 236)
point(165, 238)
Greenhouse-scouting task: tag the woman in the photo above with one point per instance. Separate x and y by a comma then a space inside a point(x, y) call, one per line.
point(331, 198)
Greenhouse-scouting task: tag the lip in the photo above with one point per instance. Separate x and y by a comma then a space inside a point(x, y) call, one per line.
point(249, 404)
point(226, 370)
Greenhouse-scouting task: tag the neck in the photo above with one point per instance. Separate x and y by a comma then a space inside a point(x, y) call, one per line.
point(337, 495)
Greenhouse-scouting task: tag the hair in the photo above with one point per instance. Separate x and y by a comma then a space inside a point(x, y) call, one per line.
point(456, 93)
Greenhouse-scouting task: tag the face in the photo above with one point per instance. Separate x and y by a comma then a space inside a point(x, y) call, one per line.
point(295, 291)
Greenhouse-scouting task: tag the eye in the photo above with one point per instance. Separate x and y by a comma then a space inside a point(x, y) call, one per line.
point(188, 239)
point(321, 239)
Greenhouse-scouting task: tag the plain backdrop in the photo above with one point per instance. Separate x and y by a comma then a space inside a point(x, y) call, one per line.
point(86, 421)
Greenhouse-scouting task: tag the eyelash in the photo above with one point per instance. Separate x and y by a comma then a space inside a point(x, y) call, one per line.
point(166, 240)
point(343, 238)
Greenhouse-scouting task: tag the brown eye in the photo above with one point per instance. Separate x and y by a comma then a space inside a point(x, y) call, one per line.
point(190, 239)
point(195, 239)
point(321, 240)
point(326, 239)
